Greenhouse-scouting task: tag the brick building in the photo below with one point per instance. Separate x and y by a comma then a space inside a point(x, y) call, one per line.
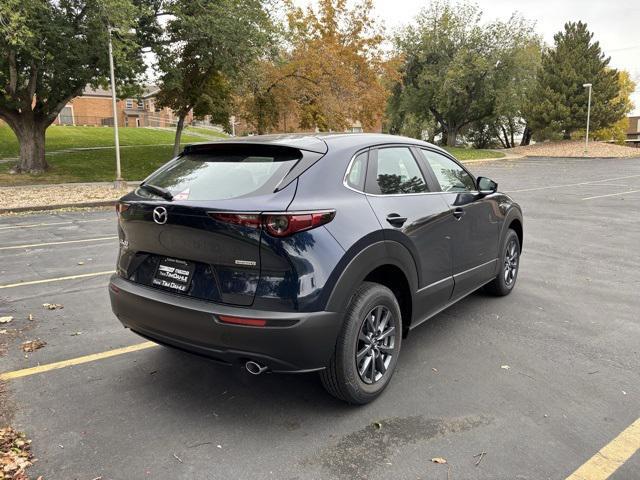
point(93, 108)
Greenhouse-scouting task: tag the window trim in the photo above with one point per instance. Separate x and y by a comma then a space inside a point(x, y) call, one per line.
point(424, 161)
point(434, 186)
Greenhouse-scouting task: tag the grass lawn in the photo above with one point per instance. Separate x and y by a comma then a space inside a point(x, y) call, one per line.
point(62, 138)
point(144, 150)
point(93, 166)
point(472, 153)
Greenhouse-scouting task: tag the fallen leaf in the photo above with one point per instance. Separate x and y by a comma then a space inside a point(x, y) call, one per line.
point(75, 334)
point(32, 345)
point(52, 306)
point(30, 317)
point(80, 263)
point(5, 319)
point(435, 370)
point(219, 446)
point(505, 367)
point(439, 460)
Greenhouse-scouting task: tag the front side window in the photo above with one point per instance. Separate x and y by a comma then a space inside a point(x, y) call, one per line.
point(394, 172)
point(451, 176)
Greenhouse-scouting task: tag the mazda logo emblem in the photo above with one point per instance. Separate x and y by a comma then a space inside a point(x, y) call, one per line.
point(160, 215)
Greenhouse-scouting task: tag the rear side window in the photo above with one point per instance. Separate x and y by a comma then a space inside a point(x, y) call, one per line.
point(226, 172)
point(395, 171)
point(358, 171)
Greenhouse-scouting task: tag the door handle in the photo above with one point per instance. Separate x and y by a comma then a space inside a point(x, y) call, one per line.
point(396, 220)
point(459, 213)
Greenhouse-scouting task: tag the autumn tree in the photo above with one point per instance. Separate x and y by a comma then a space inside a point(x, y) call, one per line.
point(49, 52)
point(327, 73)
point(618, 130)
point(558, 104)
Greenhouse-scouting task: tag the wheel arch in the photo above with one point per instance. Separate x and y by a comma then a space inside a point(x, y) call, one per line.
point(386, 262)
point(513, 220)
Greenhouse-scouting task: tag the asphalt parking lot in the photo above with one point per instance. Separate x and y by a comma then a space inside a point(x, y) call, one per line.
point(569, 334)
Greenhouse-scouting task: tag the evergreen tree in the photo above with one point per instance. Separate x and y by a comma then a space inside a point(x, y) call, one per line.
point(558, 104)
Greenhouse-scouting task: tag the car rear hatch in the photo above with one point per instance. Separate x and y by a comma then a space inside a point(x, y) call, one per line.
point(184, 231)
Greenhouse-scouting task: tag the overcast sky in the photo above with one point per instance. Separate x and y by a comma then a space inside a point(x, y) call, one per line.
point(615, 23)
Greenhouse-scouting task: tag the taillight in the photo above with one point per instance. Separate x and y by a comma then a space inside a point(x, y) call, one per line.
point(122, 207)
point(278, 224)
point(245, 219)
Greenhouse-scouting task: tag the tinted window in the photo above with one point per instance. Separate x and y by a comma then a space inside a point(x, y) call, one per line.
point(451, 176)
point(224, 173)
point(395, 171)
point(355, 177)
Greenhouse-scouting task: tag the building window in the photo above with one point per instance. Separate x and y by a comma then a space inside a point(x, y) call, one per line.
point(140, 104)
point(128, 103)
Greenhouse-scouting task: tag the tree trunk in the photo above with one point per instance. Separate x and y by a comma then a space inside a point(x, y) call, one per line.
point(179, 128)
point(506, 142)
point(526, 136)
point(452, 135)
point(30, 132)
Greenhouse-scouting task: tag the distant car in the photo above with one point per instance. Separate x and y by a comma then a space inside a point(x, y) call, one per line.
point(302, 253)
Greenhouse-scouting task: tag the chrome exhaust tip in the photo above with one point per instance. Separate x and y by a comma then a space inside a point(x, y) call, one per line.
point(255, 368)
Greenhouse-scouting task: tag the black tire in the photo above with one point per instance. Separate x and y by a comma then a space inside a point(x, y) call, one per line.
point(505, 281)
point(342, 377)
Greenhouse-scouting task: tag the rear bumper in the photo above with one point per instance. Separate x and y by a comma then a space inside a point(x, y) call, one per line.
point(191, 325)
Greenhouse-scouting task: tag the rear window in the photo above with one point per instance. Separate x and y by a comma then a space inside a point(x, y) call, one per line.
point(223, 173)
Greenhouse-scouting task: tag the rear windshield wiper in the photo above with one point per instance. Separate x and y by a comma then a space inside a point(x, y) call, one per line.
point(161, 192)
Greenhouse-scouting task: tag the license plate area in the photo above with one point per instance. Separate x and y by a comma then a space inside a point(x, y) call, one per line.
point(174, 275)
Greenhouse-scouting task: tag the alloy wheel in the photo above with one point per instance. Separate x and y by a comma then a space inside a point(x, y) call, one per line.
point(376, 344)
point(511, 262)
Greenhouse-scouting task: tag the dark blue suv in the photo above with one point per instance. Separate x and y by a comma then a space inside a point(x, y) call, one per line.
point(301, 253)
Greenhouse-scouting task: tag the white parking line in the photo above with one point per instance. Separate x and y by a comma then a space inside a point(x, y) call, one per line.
point(572, 184)
point(32, 225)
point(611, 194)
point(34, 245)
point(58, 279)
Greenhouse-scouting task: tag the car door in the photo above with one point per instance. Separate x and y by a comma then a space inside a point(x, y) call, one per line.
point(475, 230)
point(411, 213)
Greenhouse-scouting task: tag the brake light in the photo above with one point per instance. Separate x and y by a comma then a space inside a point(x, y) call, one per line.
point(278, 224)
point(251, 322)
point(122, 207)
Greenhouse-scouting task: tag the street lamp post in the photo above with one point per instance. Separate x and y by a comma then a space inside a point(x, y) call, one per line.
point(586, 138)
point(119, 183)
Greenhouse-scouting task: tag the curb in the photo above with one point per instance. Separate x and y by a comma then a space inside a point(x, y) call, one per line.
point(98, 203)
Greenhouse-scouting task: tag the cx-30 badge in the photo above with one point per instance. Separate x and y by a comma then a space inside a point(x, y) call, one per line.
point(160, 215)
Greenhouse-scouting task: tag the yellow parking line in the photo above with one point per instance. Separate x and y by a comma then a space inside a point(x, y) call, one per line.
point(604, 463)
point(48, 280)
point(33, 245)
point(47, 224)
point(26, 372)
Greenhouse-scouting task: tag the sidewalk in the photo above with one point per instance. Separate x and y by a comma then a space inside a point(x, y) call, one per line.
point(65, 195)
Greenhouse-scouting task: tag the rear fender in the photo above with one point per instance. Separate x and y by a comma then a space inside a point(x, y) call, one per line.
point(353, 270)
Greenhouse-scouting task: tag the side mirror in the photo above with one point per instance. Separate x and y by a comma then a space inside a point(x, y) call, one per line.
point(486, 186)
